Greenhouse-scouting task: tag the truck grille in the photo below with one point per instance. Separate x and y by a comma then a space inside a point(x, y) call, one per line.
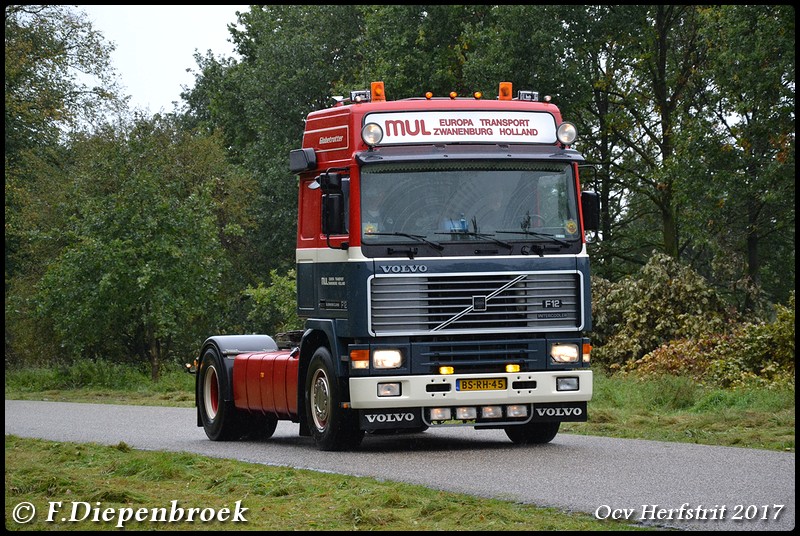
point(470, 303)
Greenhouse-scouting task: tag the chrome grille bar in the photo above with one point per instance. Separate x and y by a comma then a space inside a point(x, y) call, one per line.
point(487, 303)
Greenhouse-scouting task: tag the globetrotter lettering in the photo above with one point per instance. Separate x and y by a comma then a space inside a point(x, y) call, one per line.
point(559, 412)
point(331, 139)
point(391, 417)
point(405, 269)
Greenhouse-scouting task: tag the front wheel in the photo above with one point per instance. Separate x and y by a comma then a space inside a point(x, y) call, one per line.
point(533, 433)
point(220, 418)
point(332, 427)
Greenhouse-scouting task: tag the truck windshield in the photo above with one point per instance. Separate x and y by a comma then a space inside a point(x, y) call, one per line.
point(468, 201)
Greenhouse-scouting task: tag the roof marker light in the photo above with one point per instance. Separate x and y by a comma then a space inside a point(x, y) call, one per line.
point(378, 94)
point(505, 91)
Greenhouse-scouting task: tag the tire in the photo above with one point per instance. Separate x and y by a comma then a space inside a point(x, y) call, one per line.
point(533, 433)
point(332, 427)
point(221, 421)
point(261, 426)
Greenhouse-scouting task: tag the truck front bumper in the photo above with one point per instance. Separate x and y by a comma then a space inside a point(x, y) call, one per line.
point(445, 390)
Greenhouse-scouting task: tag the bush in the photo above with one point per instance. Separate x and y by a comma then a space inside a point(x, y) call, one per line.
point(755, 354)
point(274, 307)
point(664, 302)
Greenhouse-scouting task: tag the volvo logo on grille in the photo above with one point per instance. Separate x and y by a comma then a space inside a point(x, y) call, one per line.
point(479, 303)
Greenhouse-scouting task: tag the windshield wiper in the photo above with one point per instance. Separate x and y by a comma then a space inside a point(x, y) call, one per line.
point(480, 235)
point(418, 238)
point(539, 235)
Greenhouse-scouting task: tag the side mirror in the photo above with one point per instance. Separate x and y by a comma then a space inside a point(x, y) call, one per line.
point(302, 160)
point(590, 202)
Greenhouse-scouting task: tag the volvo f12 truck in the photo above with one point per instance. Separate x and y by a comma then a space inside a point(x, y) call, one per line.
point(442, 274)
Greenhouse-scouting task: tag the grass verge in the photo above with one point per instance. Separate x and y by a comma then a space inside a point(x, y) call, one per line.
point(112, 482)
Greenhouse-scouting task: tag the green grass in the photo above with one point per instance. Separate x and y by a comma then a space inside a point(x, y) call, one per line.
point(669, 408)
point(277, 498)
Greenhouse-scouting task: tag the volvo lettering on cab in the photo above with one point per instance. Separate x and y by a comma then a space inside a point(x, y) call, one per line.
point(442, 273)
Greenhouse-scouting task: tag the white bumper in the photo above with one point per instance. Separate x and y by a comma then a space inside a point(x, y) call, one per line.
point(426, 391)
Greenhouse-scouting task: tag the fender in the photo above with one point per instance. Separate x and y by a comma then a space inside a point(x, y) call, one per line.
point(319, 332)
point(229, 346)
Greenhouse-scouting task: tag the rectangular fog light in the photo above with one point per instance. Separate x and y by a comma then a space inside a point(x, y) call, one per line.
point(466, 413)
point(389, 389)
point(517, 411)
point(567, 384)
point(491, 412)
point(440, 414)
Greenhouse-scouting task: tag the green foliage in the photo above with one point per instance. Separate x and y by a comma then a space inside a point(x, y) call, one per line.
point(664, 302)
point(95, 375)
point(752, 353)
point(143, 255)
point(46, 46)
point(274, 307)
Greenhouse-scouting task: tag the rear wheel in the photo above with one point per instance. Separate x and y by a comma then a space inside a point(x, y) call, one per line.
point(533, 433)
point(332, 427)
point(221, 421)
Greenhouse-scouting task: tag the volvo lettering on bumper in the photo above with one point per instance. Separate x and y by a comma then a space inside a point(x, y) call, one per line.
point(375, 419)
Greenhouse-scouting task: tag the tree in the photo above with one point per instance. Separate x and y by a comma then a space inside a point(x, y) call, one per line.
point(50, 54)
point(145, 262)
point(292, 58)
point(745, 193)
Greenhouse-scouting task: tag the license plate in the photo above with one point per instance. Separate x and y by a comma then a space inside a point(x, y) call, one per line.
point(483, 384)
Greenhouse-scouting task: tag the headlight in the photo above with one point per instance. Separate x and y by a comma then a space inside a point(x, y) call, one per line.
point(566, 133)
point(564, 353)
point(372, 134)
point(387, 359)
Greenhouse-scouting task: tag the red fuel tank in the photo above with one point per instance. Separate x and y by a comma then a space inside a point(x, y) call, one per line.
point(266, 382)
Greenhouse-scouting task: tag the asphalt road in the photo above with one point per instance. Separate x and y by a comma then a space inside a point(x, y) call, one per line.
point(647, 481)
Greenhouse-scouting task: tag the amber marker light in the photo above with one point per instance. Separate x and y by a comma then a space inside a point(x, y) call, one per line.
point(378, 94)
point(478, 95)
point(587, 351)
point(505, 91)
point(359, 359)
point(446, 370)
point(453, 94)
point(428, 95)
point(512, 368)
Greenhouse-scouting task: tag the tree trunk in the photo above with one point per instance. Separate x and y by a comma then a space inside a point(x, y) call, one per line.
point(155, 359)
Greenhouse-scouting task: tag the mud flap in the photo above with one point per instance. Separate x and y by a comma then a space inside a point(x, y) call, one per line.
point(390, 419)
point(560, 411)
